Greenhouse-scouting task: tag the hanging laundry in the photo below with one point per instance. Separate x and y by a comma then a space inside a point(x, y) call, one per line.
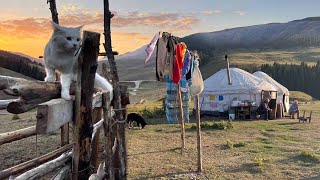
point(165, 56)
point(186, 63)
point(184, 49)
point(178, 64)
point(189, 73)
point(150, 47)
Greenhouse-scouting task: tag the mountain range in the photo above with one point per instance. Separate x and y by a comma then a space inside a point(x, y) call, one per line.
point(289, 42)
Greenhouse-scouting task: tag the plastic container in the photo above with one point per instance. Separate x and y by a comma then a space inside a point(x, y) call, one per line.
point(232, 114)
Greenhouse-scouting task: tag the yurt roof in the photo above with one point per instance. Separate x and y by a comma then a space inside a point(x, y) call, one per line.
point(280, 88)
point(242, 82)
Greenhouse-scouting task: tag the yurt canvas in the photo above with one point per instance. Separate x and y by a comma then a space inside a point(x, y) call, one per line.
point(283, 92)
point(218, 95)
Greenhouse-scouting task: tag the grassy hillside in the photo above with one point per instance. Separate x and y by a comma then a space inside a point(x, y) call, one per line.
point(300, 96)
point(245, 58)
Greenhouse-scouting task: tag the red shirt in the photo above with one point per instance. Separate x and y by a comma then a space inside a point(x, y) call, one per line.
point(178, 64)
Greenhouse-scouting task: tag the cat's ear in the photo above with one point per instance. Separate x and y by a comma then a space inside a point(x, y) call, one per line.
point(55, 26)
point(80, 27)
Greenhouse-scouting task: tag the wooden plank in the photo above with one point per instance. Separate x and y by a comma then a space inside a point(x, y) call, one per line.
point(83, 121)
point(17, 135)
point(45, 168)
point(53, 114)
point(96, 118)
point(33, 163)
point(199, 147)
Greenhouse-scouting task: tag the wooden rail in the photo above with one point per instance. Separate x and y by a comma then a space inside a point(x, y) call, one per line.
point(17, 135)
point(34, 162)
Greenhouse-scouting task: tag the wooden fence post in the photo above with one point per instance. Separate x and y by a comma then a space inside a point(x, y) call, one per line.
point(83, 105)
point(199, 148)
point(108, 135)
point(181, 118)
point(122, 173)
point(95, 141)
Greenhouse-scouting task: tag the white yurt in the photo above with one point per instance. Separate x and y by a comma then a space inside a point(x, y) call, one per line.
point(282, 92)
point(218, 95)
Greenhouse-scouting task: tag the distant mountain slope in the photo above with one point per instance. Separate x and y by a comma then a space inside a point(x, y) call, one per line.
point(131, 65)
point(290, 42)
point(22, 64)
point(298, 33)
point(29, 57)
point(7, 72)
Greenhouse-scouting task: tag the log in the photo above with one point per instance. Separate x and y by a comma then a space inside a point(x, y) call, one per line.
point(63, 173)
point(4, 103)
point(53, 114)
point(83, 122)
point(181, 119)
point(199, 147)
point(17, 135)
point(34, 162)
point(107, 124)
point(30, 93)
point(95, 138)
point(45, 168)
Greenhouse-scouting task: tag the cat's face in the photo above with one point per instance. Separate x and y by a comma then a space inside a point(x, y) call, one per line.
point(67, 38)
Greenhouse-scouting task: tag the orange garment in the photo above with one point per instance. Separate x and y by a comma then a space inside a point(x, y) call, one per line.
point(184, 49)
point(178, 64)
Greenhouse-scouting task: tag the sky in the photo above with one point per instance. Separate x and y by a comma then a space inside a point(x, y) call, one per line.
point(25, 25)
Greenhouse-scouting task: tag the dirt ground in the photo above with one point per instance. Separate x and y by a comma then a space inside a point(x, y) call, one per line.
point(269, 149)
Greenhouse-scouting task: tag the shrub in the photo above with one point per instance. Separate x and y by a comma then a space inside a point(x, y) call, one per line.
point(240, 144)
point(222, 125)
point(229, 144)
point(261, 161)
point(309, 156)
point(15, 117)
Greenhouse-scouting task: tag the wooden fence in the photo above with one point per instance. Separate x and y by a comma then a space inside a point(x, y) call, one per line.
point(88, 113)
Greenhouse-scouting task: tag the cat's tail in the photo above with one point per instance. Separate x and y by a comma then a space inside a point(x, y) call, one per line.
point(103, 84)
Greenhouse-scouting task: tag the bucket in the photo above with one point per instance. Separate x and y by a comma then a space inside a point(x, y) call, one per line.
point(232, 115)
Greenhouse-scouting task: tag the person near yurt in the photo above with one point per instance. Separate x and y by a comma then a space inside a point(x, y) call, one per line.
point(282, 91)
point(218, 94)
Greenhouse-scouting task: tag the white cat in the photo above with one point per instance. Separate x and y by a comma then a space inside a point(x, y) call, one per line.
point(59, 55)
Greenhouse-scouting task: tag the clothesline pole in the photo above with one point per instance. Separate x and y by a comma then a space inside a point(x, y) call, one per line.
point(199, 148)
point(181, 119)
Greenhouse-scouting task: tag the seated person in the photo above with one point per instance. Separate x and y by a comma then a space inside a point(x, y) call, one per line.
point(294, 109)
point(263, 109)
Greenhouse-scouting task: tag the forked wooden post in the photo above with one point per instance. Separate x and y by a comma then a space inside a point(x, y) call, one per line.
point(122, 170)
point(199, 147)
point(181, 118)
point(83, 105)
point(65, 127)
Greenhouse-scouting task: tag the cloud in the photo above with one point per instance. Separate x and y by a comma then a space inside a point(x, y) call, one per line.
point(240, 13)
point(129, 30)
point(211, 12)
point(69, 8)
